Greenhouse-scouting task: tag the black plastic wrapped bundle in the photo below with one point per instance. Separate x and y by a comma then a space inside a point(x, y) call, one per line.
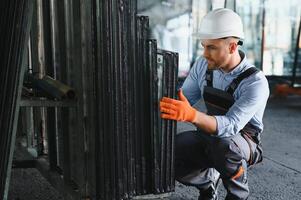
point(116, 58)
point(134, 143)
point(135, 146)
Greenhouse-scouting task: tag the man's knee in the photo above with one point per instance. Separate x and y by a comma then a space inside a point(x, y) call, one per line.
point(187, 145)
point(227, 157)
point(189, 154)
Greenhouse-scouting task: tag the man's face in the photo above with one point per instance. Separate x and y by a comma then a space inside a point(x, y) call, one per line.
point(216, 52)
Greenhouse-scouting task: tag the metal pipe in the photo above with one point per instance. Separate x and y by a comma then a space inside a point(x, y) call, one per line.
point(52, 87)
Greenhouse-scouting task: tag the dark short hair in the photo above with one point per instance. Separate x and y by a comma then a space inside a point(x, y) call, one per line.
point(240, 42)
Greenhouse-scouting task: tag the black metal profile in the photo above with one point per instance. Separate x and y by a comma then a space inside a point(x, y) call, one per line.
point(142, 99)
point(167, 76)
point(15, 22)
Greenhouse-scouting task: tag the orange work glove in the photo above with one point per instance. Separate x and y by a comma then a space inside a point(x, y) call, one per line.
point(179, 110)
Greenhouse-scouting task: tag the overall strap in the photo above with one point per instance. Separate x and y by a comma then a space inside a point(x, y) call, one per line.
point(209, 77)
point(242, 76)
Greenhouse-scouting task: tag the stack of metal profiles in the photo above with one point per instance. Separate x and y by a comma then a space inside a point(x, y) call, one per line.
point(135, 146)
point(14, 32)
point(113, 144)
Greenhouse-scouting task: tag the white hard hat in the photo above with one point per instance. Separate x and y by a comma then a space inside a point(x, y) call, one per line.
point(220, 23)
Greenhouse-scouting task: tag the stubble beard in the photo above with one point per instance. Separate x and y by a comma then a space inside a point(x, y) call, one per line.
point(212, 66)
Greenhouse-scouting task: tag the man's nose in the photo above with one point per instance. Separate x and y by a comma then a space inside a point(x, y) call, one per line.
point(205, 53)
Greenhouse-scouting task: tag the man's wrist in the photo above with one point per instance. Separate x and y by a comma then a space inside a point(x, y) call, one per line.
point(205, 122)
point(195, 116)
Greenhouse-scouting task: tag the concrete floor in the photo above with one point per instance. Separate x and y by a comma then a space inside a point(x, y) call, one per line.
point(278, 177)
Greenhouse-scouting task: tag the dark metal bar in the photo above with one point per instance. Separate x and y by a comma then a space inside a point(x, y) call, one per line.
point(65, 114)
point(88, 81)
point(118, 44)
point(39, 68)
point(132, 48)
point(15, 39)
point(112, 106)
point(167, 76)
point(143, 98)
point(46, 103)
point(53, 114)
point(99, 138)
point(235, 6)
point(77, 122)
point(35, 54)
point(124, 20)
point(59, 60)
point(262, 35)
point(128, 123)
point(296, 58)
point(160, 146)
point(167, 71)
point(225, 3)
point(174, 86)
point(154, 114)
point(103, 114)
point(138, 85)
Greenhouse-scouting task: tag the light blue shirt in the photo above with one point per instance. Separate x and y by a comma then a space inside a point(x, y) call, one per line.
point(250, 96)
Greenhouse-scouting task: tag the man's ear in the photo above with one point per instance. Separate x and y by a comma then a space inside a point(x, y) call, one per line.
point(232, 47)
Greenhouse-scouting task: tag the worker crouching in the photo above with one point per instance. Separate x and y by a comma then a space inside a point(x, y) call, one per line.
point(227, 139)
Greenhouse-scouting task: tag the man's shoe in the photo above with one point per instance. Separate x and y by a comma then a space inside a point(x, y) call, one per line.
point(208, 194)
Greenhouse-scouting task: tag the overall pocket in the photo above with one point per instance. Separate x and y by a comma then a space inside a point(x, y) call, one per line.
point(255, 149)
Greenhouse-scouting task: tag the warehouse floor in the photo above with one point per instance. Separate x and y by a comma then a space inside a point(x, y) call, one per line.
point(278, 177)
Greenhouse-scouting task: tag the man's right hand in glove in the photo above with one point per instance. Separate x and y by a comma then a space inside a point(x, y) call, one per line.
point(181, 110)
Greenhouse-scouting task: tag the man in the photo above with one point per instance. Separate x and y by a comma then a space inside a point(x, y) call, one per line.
point(227, 139)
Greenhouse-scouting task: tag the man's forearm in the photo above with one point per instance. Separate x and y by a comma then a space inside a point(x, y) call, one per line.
point(205, 122)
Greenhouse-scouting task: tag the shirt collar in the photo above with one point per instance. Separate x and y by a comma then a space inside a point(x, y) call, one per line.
point(240, 67)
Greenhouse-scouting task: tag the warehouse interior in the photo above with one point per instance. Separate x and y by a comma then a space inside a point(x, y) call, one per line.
point(81, 81)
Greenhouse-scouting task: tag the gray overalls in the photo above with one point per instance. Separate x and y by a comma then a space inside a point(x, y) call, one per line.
point(201, 158)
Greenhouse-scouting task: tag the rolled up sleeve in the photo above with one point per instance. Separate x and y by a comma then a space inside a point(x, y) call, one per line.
point(193, 83)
